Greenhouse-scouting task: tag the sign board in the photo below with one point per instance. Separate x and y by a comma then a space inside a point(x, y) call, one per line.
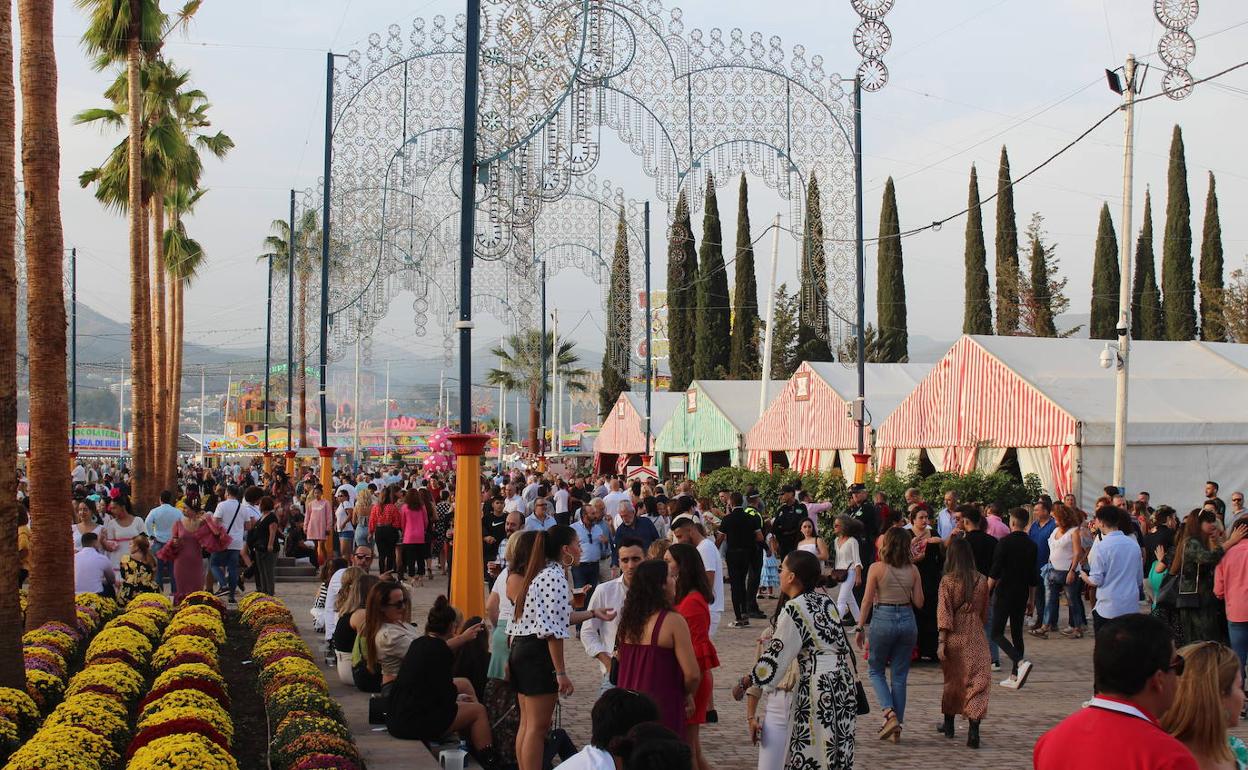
point(643, 473)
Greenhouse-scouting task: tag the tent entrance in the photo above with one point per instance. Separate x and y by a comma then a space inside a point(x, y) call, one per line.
point(778, 460)
point(1009, 464)
point(926, 468)
point(713, 461)
point(604, 462)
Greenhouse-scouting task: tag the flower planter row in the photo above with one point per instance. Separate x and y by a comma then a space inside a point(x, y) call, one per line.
point(89, 720)
point(307, 726)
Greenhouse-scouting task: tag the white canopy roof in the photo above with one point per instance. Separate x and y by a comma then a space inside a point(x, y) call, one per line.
point(662, 406)
point(887, 384)
point(738, 399)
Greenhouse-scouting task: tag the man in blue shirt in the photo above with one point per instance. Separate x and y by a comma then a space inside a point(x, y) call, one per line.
point(159, 525)
point(595, 545)
point(1042, 525)
point(632, 525)
point(540, 519)
point(1117, 570)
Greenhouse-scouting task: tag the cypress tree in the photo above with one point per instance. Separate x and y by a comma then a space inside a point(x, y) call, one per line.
point(784, 359)
point(1212, 326)
point(1040, 290)
point(1178, 299)
point(1103, 323)
point(615, 356)
point(977, 309)
point(1007, 251)
point(890, 291)
point(744, 363)
point(713, 324)
point(813, 334)
point(682, 279)
point(1146, 322)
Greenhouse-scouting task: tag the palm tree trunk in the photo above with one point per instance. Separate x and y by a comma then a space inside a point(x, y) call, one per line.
point(301, 364)
point(51, 593)
point(174, 380)
point(139, 349)
point(12, 670)
point(533, 420)
point(145, 495)
point(160, 345)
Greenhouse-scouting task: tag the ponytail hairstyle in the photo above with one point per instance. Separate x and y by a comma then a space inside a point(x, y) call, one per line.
point(546, 547)
point(443, 618)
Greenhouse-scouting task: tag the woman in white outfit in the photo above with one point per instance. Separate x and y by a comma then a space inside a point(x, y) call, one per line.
point(848, 559)
point(770, 730)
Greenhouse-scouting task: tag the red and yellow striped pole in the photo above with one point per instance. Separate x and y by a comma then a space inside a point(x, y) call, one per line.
point(467, 565)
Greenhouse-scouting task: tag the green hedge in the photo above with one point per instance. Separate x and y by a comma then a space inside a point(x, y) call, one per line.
point(830, 486)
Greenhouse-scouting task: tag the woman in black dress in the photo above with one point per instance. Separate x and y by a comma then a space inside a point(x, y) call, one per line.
point(426, 702)
point(927, 553)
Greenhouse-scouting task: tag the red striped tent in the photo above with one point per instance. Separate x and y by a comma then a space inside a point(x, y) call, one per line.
point(621, 443)
point(709, 425)
point(809, 427)
point(1049, 404)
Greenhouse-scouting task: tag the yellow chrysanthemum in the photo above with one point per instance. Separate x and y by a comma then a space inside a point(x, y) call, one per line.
point(183, 699)
point(187, 671)
point(187, 751)
point(219, 720)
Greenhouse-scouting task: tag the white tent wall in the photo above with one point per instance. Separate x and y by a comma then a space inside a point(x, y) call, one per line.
point(1037, 460)
point(988, 459)
point(1173, 475)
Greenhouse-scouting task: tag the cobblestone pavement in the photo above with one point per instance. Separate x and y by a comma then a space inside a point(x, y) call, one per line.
point(1060, 682)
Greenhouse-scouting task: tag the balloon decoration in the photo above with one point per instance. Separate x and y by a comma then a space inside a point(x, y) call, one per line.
point(441, 459)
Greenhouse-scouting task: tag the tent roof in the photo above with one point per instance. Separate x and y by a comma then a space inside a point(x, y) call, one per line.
point(1164, 378)
point(662, 406)
point(887, 384)
point(738, 399)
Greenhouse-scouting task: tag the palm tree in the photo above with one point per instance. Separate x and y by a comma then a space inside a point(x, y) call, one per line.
point(183, 257)
point(51, 595)
point(520, 369)
point(12, 670)
point(307, 264)
point(131, 31)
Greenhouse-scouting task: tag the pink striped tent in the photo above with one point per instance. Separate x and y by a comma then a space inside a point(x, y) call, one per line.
point(808, 427)
point(1047, 407)
point(621, 442)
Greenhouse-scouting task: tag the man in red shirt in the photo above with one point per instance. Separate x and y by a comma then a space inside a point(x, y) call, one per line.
point(1136, 674)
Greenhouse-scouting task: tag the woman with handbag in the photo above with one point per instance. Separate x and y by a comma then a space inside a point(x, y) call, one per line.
point(894, 589)
point(847, 567)
point(193, 534)
point(961, 612)
point(927, 551)
point(1066, 553)
point(827, 697)
point(1200, 548)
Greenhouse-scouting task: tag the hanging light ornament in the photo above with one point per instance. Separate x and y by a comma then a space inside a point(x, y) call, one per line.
point(1176, 48)
point(872, 39)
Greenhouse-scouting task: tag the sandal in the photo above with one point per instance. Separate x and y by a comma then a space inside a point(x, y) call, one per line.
point(1072, 633)
point(1042, 632)
point(891, 725)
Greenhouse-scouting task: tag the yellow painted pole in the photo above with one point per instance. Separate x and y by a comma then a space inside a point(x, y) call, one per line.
point(290, 463)
point(268, 463)
point(467, 565)
point(73, 457)
point(860, 468)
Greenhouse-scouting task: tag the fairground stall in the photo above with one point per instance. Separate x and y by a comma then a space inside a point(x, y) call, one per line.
point(810, 426)
point(622, 441)
point(1046, 406)
point(707, 431)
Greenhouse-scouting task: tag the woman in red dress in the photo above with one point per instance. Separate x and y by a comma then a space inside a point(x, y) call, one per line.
point(693, 597)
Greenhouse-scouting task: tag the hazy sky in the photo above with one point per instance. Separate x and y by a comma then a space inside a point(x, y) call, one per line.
point(966, 77)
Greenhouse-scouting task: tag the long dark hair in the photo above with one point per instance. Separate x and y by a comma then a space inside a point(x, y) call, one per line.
point(690, 572)
point(960, 565)
point(647, 594)
point(1190, 528)
point(374, 606)
point(546, 547)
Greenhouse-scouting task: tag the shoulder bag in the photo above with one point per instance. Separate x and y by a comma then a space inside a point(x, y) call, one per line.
point(861, 706)
point(1187, 600)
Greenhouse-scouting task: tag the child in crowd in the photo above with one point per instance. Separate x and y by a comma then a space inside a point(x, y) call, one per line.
point(770, 579)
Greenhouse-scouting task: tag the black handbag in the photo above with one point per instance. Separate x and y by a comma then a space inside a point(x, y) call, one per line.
point(1168, 592)
point(861, 706)
point(1189, 600)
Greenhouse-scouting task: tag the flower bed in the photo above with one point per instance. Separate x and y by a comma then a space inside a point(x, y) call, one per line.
point(88, 729)
point(183, 722)
point(308, 728)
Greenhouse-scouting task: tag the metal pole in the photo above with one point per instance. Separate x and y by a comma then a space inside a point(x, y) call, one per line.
point(554, 375)
point(268, 353)
point(73, 349)
point(203, 451)
point(860, 417)
point(541, 427)
point(355, 408)
point(502, 418)
point(225, 419)
point(385, 449)
point(290, 329)
point(649, 335)
point(121, 423)
point(327, 172)
point(1124, 287)
point(769, 328)
point(441, 389)
point(467, 230)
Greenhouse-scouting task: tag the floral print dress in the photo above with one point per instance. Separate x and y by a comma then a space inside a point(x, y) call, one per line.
point(823, 711)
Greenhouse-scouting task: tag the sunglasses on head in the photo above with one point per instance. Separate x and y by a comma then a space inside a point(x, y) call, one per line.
point(368, 556)
point(1176, 666)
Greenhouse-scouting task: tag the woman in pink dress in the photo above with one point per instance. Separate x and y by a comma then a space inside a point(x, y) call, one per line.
point(319, 523)
point(693, 597)
point(415, 518)
point(191, 535)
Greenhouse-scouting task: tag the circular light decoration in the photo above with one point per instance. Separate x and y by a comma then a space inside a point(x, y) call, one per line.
point(1176, 48)
point(1176, 14)
point(872, 39)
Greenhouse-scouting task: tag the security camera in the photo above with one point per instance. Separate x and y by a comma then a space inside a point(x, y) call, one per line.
point(1107, 357)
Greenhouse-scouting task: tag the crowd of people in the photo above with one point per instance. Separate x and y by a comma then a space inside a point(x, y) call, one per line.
point(638, 574)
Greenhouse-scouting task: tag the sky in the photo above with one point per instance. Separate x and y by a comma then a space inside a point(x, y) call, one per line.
point(966, 76)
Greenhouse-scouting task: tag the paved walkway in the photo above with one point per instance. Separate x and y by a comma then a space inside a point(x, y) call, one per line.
point(1061, 681)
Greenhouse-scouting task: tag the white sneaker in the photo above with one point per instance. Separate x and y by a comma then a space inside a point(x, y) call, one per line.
point(1024, 670)
point(1010, 684)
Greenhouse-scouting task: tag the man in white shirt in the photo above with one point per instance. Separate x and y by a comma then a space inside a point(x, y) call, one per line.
point(361, 557)
point(235, 519)
point(515, 501)
point(613, 715)
point(561, 498)
point(79, 475)
point(530, 492)
point(687, 530)
point(945, 523)
point(613, 500)
point(93, 572)
point(349, 488)
point(598, 636)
